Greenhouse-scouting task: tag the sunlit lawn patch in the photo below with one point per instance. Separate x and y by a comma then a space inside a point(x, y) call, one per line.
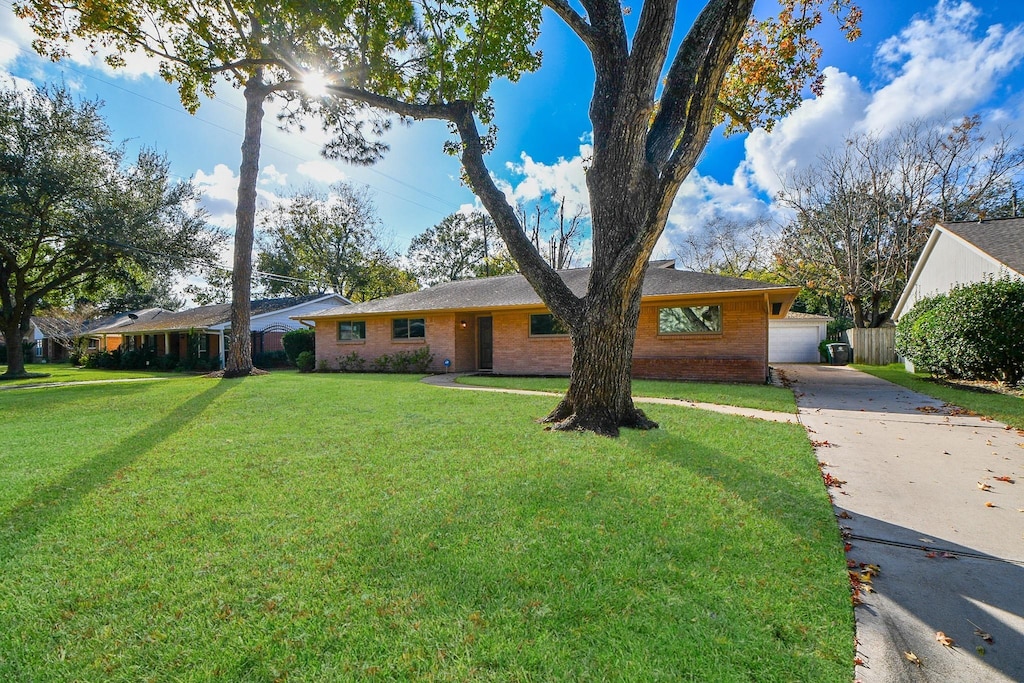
point(759, 396)
point(1003, 407)
point(330, 527)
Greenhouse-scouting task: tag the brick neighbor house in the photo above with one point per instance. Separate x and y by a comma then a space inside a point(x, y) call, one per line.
point(169, 333)
point(692, 326)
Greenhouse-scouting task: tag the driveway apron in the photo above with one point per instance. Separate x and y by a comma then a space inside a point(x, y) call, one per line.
point(935, 498)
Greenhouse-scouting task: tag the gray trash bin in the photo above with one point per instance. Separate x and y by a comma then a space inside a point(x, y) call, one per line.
point(840, 353)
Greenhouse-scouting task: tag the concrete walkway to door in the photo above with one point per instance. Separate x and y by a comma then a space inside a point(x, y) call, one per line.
point(921, 497)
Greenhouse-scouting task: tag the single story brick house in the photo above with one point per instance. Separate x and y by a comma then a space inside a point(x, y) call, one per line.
point(167, 332)
point(692, 326)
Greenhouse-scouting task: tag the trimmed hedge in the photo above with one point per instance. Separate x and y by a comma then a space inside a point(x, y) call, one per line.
point(297, 341)
point(974, 332)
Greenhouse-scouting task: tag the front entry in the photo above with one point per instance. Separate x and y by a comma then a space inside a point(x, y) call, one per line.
point(485, 343)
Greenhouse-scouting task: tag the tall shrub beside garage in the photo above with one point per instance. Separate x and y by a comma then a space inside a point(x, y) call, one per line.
point(975, 332)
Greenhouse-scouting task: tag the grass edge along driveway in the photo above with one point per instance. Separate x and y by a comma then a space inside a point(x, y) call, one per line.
point(330, 527)
point(1006, 409)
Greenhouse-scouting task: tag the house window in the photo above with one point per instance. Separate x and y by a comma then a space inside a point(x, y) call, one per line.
point(690, 320)
point(545, 324)
point(351, 330)
point(39, 348)
point(408, 328)
point(204, 342)
point(94, 344)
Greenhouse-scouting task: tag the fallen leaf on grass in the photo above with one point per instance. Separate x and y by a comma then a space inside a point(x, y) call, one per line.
point(944, 640)
point(1008, 480)
point(984, 487)
point(913, 659)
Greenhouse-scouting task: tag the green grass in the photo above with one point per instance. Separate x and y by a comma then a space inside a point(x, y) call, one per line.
point(759, 396)
point(63, 372)
point(1001, 407)
point(336, 528)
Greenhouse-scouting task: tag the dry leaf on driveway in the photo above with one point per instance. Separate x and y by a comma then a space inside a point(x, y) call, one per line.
point(913, 659)
point(944, 640)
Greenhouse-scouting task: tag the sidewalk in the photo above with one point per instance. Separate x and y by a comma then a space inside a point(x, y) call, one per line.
point(448, 381)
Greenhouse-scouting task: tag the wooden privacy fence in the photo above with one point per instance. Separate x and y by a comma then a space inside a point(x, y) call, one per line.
point(873, 346)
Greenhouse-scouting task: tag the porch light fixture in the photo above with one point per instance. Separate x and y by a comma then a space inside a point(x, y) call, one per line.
point(462, 324)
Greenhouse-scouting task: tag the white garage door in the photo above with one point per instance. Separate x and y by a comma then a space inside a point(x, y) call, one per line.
point(789, 343)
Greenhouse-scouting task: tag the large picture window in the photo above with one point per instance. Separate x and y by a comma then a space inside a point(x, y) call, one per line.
point(543, 324)
point(408, 328)
point(352, 330)
point(690, 320)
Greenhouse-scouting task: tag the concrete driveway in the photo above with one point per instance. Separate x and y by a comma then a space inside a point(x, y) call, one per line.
point(951, 552)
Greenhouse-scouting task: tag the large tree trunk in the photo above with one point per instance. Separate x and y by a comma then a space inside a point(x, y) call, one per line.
point(13, 336)
point(599, 398)
point(239, 360)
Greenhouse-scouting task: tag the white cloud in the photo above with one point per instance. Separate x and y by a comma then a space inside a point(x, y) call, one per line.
point(937, 64)
point(271, 176)
point(796, 140)
point(220, 193)
point(565, 178)
point(321, 171)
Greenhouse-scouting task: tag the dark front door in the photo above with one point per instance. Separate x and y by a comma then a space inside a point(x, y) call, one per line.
point(485, 335)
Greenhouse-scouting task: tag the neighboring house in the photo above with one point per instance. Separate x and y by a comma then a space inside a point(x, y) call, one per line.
point(167, 333)
point(692, 326)
point(51, 350)
point(963, 253)
point(795, 338)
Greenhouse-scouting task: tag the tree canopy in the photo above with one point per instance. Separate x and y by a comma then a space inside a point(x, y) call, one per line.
point(76, 216)
point(461, 246)
point(315, 242)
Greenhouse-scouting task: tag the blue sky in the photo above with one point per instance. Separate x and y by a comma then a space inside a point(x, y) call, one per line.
point(915, 59)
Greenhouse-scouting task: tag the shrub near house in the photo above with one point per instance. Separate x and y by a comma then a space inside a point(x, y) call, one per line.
point(974, 332)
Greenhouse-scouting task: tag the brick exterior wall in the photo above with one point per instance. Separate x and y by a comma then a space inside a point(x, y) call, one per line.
point(738, 354)
point(440, 337)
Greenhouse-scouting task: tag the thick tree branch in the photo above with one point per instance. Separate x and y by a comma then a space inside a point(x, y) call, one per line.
point(559, 298)
point(574, 21)
point(693, 82)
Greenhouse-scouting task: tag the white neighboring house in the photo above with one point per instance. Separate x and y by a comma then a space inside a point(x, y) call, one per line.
point(795, 338)
point(169, 333)
point(964, 253)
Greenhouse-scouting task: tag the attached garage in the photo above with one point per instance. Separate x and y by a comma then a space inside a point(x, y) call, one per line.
point(795, 338)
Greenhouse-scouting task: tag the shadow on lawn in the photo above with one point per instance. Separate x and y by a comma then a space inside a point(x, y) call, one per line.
point(47, 503)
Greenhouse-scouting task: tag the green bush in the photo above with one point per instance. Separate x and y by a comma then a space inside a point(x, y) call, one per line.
point(271, 359)
point(404, 361)
point(298, 341)
point(306, 360)
point(917, 334)
point(974, 332)
point(353, 362)
point(166, 362)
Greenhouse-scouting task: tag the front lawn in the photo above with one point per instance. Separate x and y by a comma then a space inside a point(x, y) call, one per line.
point(358, 527)
point(1001, 407)
point(758, 396)
point(64, 372)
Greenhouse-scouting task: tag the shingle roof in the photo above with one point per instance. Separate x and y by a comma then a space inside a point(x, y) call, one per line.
point(202, 317)
point(514, 290)
point(1002, 239)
